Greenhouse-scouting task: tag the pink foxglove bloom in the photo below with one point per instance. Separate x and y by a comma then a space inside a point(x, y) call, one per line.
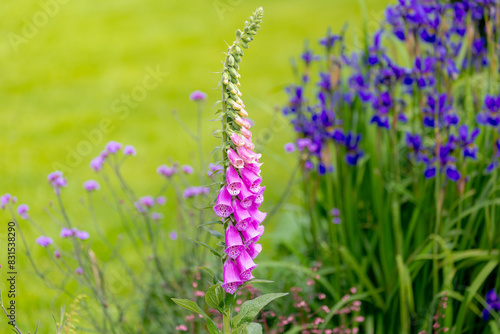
point(257, 215)
point(234, 243)
point(224, 208)
point(246, 197)
point(234, 182)
point(231, 277)
point(235, 159)
point(44, 241)
point(259, 196)
point(242, 122)
point(248, 156)
point(252, 234)
point(245, 265)
point(248, 144)
point(243, 218)
point(237, 140)
point(255, 167)
point(251, 179)
point(246, 133)
point(254, 250)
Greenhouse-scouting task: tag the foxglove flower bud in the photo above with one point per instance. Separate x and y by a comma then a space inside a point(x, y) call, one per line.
point(242, 122)
point(255, 167)
point(234, 243)
point(248, 156)
point(231, 277)
point(235, 159)
point(223, 207)
point(243, 218)
point(246, 196)
point(234, 182)
point(248, 144)
point(251, 179)
point(245, 265)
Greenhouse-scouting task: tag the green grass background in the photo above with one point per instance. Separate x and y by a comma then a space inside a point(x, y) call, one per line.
point(63, 80)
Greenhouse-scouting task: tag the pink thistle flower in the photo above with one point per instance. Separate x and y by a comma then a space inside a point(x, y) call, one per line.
point(223, 208)
point(173, 235)
point(197, 96)
point(22, 210)
point(91, 185)
point(187, 169)
point(235, 159)
point(246, 197)
point(237, 140)
point(243, 218)
point(97, 163)
point(166, 171)
point(234, 182)
point(231, 277)
point(234, 243)
point(113, 147)
point(82, 235)
point(129, 150)
point(44, 241)
point(66, 232)
point(245, 265)
point(161, 200)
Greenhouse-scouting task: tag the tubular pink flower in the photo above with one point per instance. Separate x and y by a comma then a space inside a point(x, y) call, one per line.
point(245, 265)
point(252, 235)
point(237, 140)
point(246, 197)
point(246, 133)
point(235, 159)
point(234, 182)
point(251, 179)
point(242, 122)
point(259, 197)
point(254, 250)
point(248, 156)
point(257, 215)
point(231, 277)
point(243, 218)
point(255, 167)
point(223, 207)
point(234, 243)
point(248, 144)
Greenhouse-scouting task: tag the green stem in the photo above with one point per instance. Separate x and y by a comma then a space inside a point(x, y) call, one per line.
point(227, 323)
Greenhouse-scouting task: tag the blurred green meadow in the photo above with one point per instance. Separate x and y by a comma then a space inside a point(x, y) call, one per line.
point(65, 81)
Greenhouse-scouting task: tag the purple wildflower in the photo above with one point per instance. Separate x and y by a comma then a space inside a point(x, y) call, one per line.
point(79, 270)
point(82, 235)
point(198, 96)
point(290, 147)
point(44, 241)
point(66, 232)
point(97, 163)
point(22, 210)
point(91, 185)
point(129, 150)
point(113, 147)
point(166, 171)
point(57, 181)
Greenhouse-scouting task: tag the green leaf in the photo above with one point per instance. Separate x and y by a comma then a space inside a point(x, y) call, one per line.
point(215, 297)
point(249, 328)
point(255, 281)
point(216, 253)
point(251, 308)
point(216, 234)
point(193, 307)
point(213, 222)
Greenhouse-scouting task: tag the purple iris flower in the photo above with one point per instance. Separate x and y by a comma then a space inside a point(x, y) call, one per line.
point(492, 304)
